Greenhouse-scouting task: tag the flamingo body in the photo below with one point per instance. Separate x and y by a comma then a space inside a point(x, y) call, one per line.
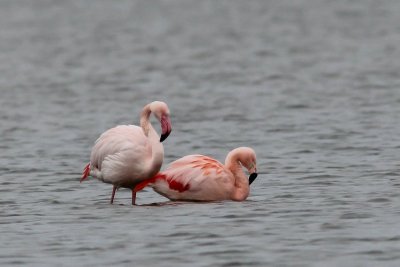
point(120, 156)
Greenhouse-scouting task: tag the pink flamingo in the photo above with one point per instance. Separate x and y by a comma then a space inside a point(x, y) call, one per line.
point(127, 154)
point(201, 178)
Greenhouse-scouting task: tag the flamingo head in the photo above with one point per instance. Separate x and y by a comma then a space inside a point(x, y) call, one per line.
point(161, 112)
point(165, 127)
point(247, 158)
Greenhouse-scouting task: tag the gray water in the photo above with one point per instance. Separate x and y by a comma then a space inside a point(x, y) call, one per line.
point(312, 86)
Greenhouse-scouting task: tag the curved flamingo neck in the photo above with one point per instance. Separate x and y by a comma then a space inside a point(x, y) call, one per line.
point(242, 189)
point(157, 149)
point(157, 155)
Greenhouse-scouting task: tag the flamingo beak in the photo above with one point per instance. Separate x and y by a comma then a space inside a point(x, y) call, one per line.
point(252, 177)
point(165, 127)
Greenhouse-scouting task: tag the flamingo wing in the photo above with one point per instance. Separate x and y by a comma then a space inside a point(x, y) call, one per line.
point(119, 152)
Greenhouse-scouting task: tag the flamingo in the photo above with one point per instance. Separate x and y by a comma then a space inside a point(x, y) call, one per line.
point(201, 178)
point(126, 155)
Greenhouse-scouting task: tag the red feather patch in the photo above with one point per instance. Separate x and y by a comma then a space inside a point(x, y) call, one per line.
point(86, 172)
point(145, 183)
point(174, 185)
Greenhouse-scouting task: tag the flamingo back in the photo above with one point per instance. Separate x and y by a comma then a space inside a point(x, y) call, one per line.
point(195, 177)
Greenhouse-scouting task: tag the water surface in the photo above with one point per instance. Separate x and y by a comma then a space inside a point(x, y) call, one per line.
point(312, 86)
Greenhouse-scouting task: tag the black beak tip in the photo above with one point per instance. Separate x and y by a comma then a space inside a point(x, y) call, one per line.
point(163, 137)
point(252, 177)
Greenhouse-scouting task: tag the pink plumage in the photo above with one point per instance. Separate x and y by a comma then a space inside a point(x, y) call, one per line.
point(127, 154)
point(201, 178)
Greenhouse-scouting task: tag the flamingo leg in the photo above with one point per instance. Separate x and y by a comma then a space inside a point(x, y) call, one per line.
point(133, 197)
point(113, 194)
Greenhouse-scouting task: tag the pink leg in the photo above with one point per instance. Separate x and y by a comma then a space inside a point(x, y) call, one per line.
point(113, 194)
point(133, 197)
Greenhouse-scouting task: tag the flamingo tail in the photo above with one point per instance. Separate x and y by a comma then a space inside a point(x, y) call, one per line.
point(86, 172)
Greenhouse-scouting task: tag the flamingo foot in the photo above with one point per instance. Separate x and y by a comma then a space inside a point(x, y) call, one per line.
point(113, 194)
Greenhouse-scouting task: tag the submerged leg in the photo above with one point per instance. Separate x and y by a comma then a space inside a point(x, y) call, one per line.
point(113, 194)
point(133, 197)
